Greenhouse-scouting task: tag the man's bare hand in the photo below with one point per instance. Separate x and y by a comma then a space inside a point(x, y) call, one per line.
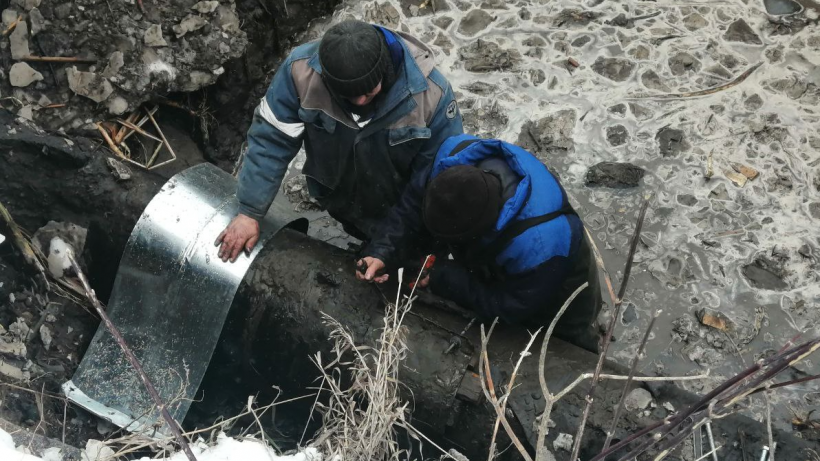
point(241, 234)
point(373, 268)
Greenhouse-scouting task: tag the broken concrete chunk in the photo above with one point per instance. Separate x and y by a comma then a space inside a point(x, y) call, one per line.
point(88, 84)
point(22, 75)
point(118, 169)
point(486, 56)
point(153, 36)
point(38, 22)
point(551, 132)
point(44, 101)
point(227, 19)
point(20, 329)
point(117, 105)
point(765, 274)
point(69, 233)
point(671, 141)
point(206, 7)
point(191, 23)
point(18, 41)
point(26, 112)
point(13, 348)
point(115, 63)
point(45, 336)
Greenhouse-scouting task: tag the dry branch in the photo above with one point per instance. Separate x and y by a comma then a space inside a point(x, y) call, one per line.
point(695, 94)
point(608, 336)
point(59, 59)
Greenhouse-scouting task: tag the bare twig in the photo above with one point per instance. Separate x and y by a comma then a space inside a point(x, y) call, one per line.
point(549, 399)
point(510, 386)
point(172, 424)
point(22, 244)
point(695, 94)
point(489, 392)
point(12, 26)
point(110, 141)
point(59, 59)
point(632, 369)
point(139, 130)
point(608, 336)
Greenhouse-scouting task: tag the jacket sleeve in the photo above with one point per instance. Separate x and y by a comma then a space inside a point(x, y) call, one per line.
point(404, 221)
point(274, 138)
point(514, 300)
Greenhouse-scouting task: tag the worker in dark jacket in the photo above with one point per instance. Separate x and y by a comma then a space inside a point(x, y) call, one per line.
point(518, 248)
point(370, 109)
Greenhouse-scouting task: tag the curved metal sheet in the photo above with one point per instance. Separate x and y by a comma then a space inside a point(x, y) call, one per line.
point(170, 299)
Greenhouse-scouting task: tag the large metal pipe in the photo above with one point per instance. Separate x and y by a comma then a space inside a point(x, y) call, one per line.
point(295, 278)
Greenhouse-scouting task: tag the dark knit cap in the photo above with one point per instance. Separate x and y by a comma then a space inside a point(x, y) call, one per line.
point(461, 203)
point(354, 58)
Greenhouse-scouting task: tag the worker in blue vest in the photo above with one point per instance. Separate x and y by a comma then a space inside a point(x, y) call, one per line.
point(518, 248)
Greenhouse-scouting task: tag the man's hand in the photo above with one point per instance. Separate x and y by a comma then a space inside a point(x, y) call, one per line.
point(241, 234)
point(370, 269)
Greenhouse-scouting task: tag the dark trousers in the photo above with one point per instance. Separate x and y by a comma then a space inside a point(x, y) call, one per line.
point(579, 324)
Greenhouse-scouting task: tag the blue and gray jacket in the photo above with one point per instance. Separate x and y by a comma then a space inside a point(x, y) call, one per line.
point(533, 262)
point(355, 169)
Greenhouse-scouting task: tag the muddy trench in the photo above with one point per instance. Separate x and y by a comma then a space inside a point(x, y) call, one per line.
point(65, 176)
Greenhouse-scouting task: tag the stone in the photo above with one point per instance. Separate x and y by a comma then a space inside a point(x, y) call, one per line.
point(485, 56)
point(385, 14)
point(720, 71)
point(639, 52)
point(118, 169)
point(638, 399)
point(640, 112)
point(18, 41)
point(442, 22)
point(153, 36)
point(117, 105)
point(617, 135)
point(26, 112)
point(765, 274)
point(46, 336)
point(38, 22)
point(740, 31)
point(574, 18)
point(43, 101)
point(551, 132)
point(651, 80)
point(682, 63)
point(687, 199)
point(88, 84)
point(474, 22)
point(782, 7)
point(619, 109)
point(814, 210)
point(443, 41)
point(629, 315)
point(27, 4)
point(562, 442)
point(581, 41)
point(206, 7)
point(115, 63)
point(228, 20)
point(9, 16)
point(695, 21)
point(614, 175)
point(720, 193)
point(22, 75)
point(617, 69)
point(191, 23)
point(63, 10)
point(671, 141)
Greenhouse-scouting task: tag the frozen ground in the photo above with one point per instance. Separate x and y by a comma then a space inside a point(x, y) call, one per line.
point(224, 449)
point(747, 254)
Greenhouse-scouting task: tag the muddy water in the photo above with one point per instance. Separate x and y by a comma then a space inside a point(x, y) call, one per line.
point(746, 253)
